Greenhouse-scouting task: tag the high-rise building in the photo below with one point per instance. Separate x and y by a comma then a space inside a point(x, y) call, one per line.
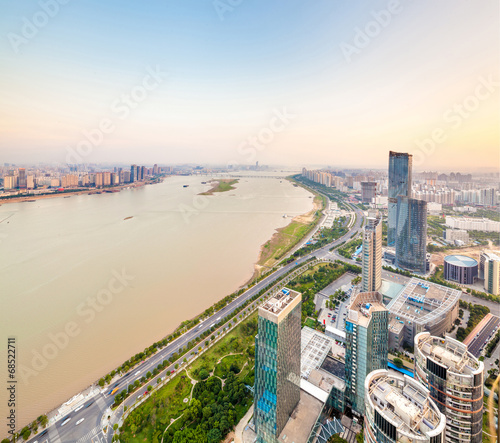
point(277, 364)
point(367, 343)
point(106, 178)
point(454, 378)
point(133, 173)
point(489, 270)
point(368, 191)
point(23, 183)
point(411, 234)
point(10, 181)
point(400, 182)
point(372, 254)
point(400, 409)
point(99, 179)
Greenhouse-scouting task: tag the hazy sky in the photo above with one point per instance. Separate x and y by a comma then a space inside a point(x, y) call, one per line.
point(278, 81)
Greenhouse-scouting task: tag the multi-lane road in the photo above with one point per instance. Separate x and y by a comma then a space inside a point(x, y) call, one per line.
point(484, 335)
point(97, 408)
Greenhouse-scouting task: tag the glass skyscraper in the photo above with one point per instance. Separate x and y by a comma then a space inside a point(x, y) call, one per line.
point(367, 343)
point(277, 364)
point(411, 234)
point(400, 167)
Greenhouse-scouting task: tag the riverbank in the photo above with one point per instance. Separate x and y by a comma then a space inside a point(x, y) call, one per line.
point(70, 193)
point(220, 185)
point(286, 238)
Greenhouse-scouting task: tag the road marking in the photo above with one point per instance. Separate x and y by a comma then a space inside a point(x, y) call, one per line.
point(89, 435)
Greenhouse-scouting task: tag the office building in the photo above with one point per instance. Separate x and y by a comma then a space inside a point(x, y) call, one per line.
point(400, 409)
point(372, 254)
point(368, 192)
point(400, 182)
point(454, 378)
point(277, 363)
point(411, 235)
point(422, 306)
point(22, 181)
point(133, 173)
point(460, 269)
point(489, 270)
point(367, 344)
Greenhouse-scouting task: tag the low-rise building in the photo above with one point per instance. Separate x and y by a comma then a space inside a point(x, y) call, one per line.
point(424, 306)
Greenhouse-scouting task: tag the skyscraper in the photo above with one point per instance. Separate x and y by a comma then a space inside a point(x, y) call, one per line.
point(368, 191)
point(372, 254)
point(277, 364)
point(411, 234)
point(367, 343)
point(23, 183)
point(455, 380)
point(400, 409)
point(400, 167)
point(133, 173)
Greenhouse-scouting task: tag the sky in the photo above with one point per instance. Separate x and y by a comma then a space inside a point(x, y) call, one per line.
point(296, 82)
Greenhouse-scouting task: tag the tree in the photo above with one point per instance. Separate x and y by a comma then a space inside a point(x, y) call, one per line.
point(26, 433)
point(101, 382)
point(398, 362)
point(204, 374)
point(115, 426)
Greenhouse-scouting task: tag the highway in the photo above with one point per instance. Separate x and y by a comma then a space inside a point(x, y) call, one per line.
point(98, 407)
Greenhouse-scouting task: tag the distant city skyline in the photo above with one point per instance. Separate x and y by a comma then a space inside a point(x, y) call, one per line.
point(333, 83)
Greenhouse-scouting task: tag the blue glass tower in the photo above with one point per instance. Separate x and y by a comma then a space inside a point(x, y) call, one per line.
point(400, 167)
point(277, 364)
point(411, 234)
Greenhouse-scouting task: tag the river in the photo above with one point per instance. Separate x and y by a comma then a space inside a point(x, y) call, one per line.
point(88, 281)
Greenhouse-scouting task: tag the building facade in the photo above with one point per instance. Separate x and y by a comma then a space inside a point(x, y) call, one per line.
point(367, 343)
point(455, 380)
point(372, 255)
point(411, 234)
point(460, 269)
point(489, 270)
point(400, 183)
point(277, 364)
point(368, 192)
point(400, 409)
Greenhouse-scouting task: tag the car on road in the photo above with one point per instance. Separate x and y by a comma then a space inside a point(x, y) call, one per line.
point(138, 372)
point(65, 421)
point(89, 404)
point(78, 408)
point(79, 421)
point(43, 433)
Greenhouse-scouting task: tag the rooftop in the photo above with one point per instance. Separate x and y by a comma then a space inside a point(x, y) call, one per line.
point(280, 304)
point(449, 353)
point(404, 402)
point(422, 302)
point(460, 260)
point(363, 305)
point(302, 420)
point(314, 347)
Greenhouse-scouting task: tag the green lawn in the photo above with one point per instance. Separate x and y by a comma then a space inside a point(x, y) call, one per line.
point(155, 414)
